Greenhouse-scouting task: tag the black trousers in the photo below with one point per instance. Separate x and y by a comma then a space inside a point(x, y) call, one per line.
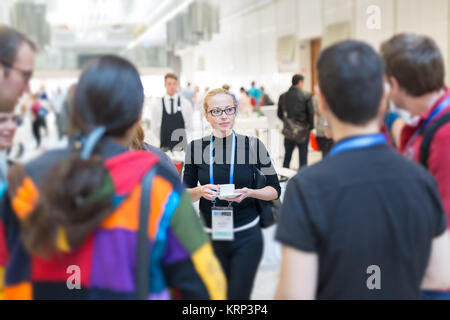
point(289, 147)
point(37, 124)
point(240, 259)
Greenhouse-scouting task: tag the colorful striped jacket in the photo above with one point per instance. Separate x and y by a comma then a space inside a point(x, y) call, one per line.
point(182, 262)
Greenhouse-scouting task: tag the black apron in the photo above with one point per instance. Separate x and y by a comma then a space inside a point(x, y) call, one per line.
point(170, 123)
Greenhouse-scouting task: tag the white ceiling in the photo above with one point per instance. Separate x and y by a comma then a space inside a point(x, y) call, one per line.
point(99, 13)
point(103, 23)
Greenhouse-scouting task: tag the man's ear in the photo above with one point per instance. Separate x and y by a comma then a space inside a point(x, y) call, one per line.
point(383, 107)
point(323, 107)
point(395, 87)
point(4, 72)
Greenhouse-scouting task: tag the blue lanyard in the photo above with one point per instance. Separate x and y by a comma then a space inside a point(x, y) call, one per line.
point(358, 143)
point(211, 160)
point(3, 186)
point(444, 104)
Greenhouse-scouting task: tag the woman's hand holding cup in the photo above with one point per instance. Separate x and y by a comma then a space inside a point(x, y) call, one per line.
point(209, 191)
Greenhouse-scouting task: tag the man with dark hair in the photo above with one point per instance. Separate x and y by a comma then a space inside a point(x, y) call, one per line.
point(172, 117)
point(415, 71)
point(365, 223)
point(16, 68)
point(298, 106)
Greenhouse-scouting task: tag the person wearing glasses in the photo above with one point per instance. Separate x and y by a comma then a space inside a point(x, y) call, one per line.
point(16, 68)
point(224, 164)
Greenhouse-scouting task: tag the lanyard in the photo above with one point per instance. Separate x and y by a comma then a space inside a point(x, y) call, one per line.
point(358, 143)
point(3, 187)
point(444, 105)
point(211, 160)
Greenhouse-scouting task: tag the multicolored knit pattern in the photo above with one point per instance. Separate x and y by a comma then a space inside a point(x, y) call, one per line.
point(182, 262)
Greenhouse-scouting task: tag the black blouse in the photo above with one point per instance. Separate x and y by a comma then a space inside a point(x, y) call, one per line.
point(249, 152)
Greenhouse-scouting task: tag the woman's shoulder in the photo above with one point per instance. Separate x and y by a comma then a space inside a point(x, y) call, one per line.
point(248, 139)
point(44, 163)
point(201, 141)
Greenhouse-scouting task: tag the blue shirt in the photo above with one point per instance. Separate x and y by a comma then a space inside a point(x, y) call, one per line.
point(255, 93)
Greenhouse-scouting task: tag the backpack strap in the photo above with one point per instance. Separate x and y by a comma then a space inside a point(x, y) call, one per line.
point(428, 136)
point(143, 251)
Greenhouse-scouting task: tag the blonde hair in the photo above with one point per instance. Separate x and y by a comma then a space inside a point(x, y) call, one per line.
point(215, 92)
point(138, 141)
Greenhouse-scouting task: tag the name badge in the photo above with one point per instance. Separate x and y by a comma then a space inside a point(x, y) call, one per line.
point(222, 223)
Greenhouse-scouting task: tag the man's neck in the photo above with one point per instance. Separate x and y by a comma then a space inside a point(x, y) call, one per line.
point(345, 130)
point(171, 96)
point(419, 105)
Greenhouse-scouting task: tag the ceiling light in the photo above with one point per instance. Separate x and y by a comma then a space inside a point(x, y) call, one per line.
point(181, 6)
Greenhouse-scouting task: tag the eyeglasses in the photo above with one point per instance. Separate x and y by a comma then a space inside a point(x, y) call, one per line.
point(25, 73)
point(14, 118)
point(218, 112)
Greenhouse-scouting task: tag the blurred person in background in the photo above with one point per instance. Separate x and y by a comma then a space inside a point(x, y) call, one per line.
point(39, 113)
point(57, 103)
point(199, 107)
point(298, 106)
point(245, 104)
point(16, 68)
point(42, 94)
point(265, 99)
point(199, 102)
point(255, 94)
point(123, 218)
point(196, 96)
point(323, 133)
point(172, 118)
point(65, 111)
point(189, 93)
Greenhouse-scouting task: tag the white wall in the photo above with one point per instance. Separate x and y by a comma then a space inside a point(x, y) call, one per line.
point(310, 19)
point(388, 26)
point(246, 48)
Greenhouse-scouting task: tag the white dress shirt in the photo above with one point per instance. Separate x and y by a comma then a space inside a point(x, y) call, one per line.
point(156, 116)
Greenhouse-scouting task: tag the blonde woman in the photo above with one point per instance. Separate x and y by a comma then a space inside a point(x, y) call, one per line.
point(220, 163)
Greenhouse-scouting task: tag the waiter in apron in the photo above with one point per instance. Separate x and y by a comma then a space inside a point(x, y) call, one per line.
point(171, 118)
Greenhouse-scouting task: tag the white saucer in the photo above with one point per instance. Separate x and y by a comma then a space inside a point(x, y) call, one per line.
point(230, 196)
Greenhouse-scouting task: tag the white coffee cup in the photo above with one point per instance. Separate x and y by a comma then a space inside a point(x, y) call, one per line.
point(226, 190)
